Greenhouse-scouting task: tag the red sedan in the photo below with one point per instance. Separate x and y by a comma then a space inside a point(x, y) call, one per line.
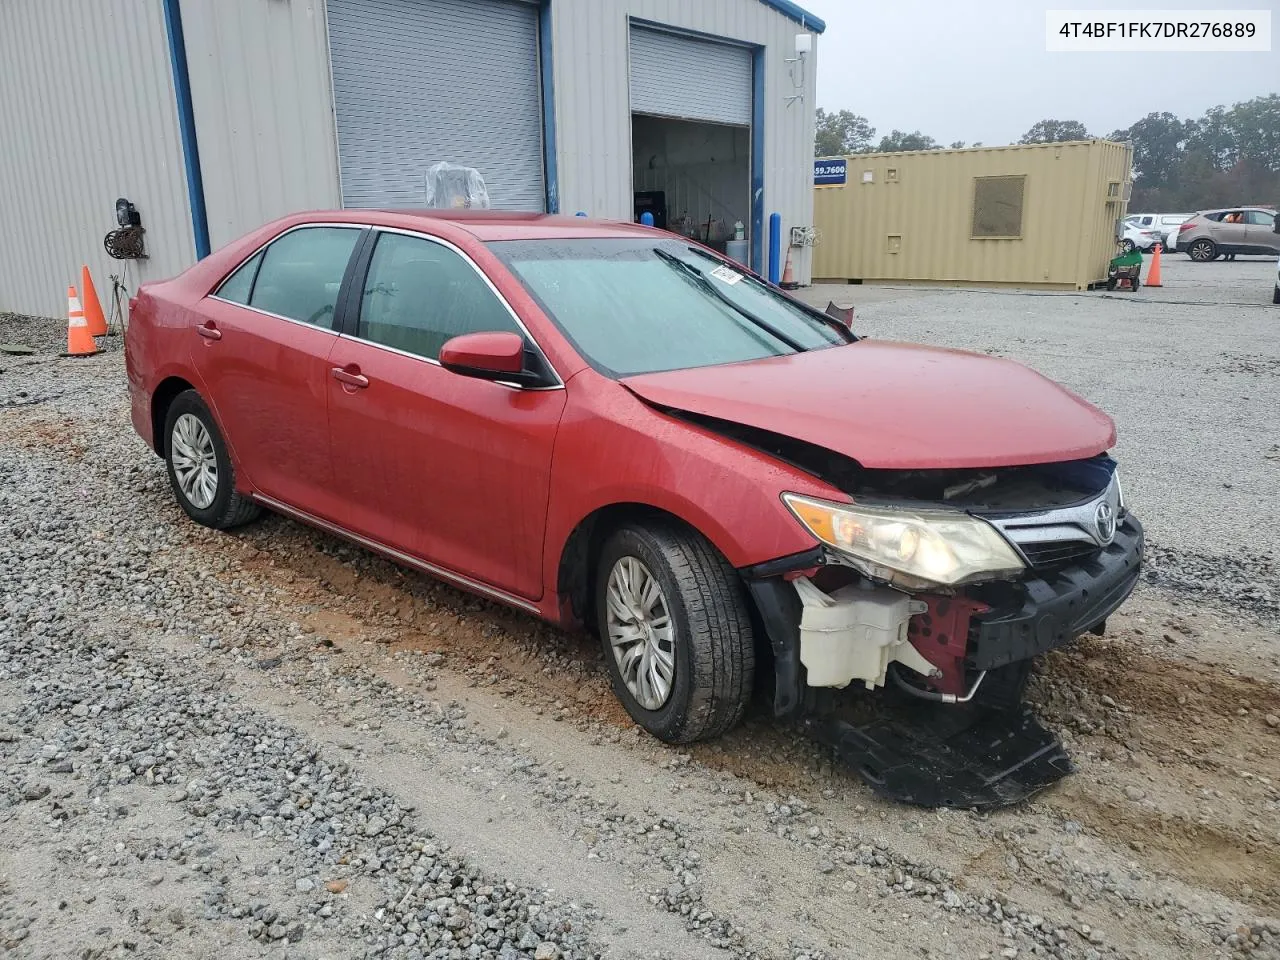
point(603, 423)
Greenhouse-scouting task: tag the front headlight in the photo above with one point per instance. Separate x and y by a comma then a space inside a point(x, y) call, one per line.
point(912, 548)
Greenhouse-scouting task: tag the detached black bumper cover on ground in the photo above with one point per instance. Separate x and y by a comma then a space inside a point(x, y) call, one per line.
point(938, 756)
point(973, 756)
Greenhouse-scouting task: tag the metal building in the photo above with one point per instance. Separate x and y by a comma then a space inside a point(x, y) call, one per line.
point(1037, 215)
point(214, 116)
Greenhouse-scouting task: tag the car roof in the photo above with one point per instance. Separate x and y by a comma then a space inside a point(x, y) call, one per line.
point(486, 225)
point(1227, 209)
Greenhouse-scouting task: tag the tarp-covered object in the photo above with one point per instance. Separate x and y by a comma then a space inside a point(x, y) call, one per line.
point(453, 187)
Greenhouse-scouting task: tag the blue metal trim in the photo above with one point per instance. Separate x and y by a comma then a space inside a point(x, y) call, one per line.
point(187, 125)
point(798, 14)
point(550, 171)
point(757, 160)
point(775, 248)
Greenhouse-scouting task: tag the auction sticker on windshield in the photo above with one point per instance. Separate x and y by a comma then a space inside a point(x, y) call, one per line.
point(726, 274)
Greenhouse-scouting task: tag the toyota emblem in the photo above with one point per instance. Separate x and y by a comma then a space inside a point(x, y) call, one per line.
point(1105, 520)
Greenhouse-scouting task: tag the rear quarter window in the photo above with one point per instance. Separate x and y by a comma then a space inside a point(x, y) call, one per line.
point(239, 285)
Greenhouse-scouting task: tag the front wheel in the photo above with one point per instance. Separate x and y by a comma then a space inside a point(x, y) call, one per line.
point(676, 631)
point(200, 469)
point(1203, 251)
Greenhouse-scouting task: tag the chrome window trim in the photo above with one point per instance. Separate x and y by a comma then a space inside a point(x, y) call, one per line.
point(448, 245)
point(275, 316)
point(408, 560)
point(558, 385)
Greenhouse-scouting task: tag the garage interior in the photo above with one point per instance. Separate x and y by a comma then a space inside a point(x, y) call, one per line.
point(691, 113)
point(694, 177)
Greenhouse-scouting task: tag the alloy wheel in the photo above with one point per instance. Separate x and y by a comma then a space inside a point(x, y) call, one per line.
point(195, 463)
point(641, 633)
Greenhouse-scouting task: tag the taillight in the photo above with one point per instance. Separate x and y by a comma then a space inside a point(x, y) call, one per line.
point(1183, 228)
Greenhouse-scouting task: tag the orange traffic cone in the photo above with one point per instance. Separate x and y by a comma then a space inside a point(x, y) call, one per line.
point(788, 277)
point(1153, 275)
point(92, 305)
point(79, 339)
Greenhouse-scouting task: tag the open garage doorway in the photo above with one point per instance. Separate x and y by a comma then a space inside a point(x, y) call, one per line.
point(692, 100)
point(694, 177)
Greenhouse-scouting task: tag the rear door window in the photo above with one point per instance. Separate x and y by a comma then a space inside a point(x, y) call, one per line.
point(301, 273)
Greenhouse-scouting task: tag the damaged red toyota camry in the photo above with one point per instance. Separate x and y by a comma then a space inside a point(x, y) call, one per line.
point(605, 424)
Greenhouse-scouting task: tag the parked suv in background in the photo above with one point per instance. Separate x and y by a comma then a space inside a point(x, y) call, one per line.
point(1224, 233)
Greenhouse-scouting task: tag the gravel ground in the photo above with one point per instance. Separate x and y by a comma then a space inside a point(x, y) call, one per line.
point(271, 744)
point(1191, 373)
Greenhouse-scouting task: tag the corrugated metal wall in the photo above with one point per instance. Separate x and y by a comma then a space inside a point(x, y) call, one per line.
point(913, 220)
point(263, 103)
point(87, 114)
point(593, 119)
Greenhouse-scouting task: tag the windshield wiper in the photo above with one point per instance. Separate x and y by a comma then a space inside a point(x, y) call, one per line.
point(702, 280)
point(824, 318)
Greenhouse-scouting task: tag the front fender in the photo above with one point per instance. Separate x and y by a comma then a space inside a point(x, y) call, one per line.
point(613, 448)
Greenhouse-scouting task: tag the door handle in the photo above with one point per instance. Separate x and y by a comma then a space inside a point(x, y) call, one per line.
point(351, 376)
point(209, 330)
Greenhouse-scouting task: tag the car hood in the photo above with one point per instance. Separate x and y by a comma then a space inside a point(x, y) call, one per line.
point(894, 405)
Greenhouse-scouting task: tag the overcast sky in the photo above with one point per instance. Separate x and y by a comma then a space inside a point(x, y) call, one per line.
point(977, 70)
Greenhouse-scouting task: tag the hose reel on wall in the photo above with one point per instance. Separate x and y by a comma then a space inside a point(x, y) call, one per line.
point(126, 242)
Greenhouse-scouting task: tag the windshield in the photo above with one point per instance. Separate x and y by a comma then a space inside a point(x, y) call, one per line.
point(642, 305)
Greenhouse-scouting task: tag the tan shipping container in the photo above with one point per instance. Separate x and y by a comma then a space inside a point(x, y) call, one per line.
point(1034, 215)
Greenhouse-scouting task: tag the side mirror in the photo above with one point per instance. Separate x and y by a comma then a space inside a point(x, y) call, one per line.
point(488, 356)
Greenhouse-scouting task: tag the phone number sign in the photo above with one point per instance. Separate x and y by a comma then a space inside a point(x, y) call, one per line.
point(830, 173)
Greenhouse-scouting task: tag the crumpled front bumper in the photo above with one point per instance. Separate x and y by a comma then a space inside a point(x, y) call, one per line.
point(1057, 606)
point(1024, 619)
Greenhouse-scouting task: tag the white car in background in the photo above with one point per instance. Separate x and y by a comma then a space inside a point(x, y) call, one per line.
point(1165, 224)
point(1131, 236)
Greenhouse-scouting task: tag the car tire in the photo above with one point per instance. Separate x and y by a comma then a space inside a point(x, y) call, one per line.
point(200, 469)
point(1275, 296)
point(1126, 246)
point(1203, 250)
point(709, 639)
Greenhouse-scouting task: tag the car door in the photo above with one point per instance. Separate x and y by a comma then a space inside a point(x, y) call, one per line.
point(1260, 231)
point(449, 469)
point(1229, 233)
point(262, 348)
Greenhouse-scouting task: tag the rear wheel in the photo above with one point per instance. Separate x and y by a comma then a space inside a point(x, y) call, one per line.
point(1202, 251)
point(200, 469)
point(676, 631)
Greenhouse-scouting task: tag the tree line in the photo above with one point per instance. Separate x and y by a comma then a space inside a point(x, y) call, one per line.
point(1229, 155)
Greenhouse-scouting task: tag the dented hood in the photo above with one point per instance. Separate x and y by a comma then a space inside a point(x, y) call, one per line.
point(894, 405)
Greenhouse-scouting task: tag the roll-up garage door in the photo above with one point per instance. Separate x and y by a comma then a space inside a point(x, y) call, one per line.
point(419, 81)
point(673, 75)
